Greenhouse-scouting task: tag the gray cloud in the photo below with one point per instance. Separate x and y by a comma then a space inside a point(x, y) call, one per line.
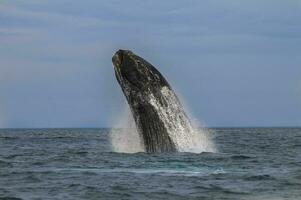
point(241, 57)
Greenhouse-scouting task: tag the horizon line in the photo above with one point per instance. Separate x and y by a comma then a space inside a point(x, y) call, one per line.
point(211, 127)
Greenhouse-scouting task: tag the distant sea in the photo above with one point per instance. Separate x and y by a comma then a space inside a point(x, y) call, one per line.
point(251, 163)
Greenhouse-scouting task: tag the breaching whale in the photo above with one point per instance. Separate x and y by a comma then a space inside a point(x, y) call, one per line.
point(157, 111)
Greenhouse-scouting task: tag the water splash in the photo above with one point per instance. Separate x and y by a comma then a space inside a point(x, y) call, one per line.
point(124, 136)
point(186, 137)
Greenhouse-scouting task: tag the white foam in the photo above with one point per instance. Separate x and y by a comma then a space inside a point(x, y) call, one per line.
point(162, 171)
point(124, 136)
point(184, 135)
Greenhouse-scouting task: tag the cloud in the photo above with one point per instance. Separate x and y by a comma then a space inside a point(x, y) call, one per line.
point(18, 15)
point(57, 55)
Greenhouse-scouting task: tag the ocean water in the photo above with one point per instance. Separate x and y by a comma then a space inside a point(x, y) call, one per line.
point(251, 163)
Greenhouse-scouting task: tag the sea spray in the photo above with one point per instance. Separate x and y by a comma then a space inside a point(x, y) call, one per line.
point(124, 136)
point(187, 137)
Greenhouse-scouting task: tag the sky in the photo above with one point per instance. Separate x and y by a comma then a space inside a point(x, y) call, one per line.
point(233, 63)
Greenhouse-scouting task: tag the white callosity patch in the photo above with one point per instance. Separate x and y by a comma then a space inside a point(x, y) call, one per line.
point(178, 126)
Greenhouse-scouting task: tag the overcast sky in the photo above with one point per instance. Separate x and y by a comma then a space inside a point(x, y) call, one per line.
point(234, 62)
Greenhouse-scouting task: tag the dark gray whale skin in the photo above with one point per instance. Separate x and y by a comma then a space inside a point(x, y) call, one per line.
point(138, 79)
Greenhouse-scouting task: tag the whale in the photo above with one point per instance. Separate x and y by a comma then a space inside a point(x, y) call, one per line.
point(158, 114)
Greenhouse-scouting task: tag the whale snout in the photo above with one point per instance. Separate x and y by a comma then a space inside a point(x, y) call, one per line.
point(118, 58)
point(132, 71)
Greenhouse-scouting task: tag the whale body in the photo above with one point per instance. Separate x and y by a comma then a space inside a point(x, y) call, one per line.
point(159, 116)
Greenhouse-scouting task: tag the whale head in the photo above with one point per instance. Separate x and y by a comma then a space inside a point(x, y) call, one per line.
point(136, 75)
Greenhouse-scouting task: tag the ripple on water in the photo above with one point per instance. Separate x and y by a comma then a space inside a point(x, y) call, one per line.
point(240, 157)
point(260, 177)
point(5, 164)
point(10, 198)
point(83, 167)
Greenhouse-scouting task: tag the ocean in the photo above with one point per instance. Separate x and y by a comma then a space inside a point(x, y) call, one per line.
point(250, 163)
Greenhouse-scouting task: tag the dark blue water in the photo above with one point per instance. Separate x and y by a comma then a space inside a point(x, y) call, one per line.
point(78, 164)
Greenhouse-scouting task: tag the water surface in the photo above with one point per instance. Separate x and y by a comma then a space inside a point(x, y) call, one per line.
point(251, 163)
